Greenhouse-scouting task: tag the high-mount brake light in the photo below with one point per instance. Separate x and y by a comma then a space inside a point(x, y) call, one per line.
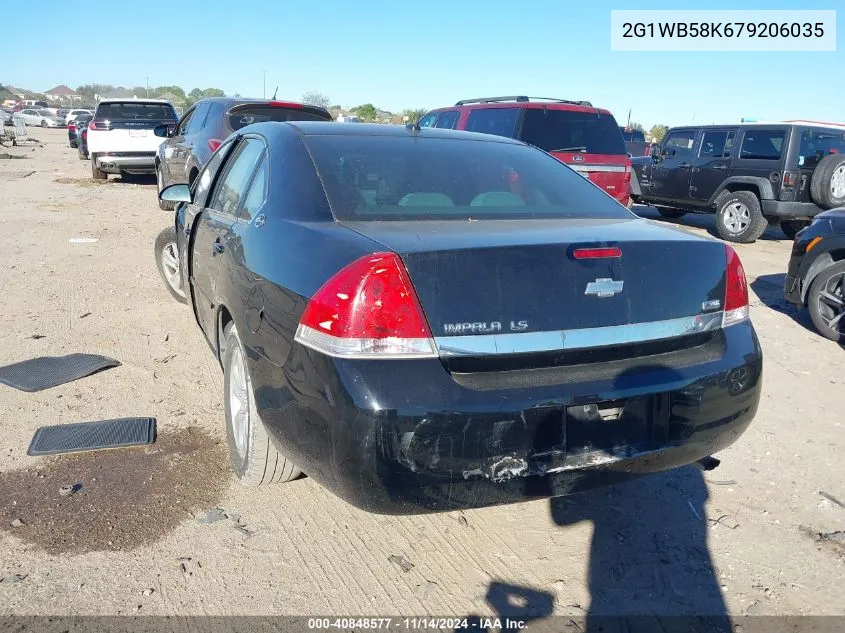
point(368, 310)
point(285, 104)
point(736, 290)
point(597, 253)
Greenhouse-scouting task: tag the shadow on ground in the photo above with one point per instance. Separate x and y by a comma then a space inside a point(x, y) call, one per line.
point(769, 291)
point(705, 221)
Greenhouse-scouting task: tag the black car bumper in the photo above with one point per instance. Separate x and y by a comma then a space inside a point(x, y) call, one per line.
point(405, 437)
point(780, 209)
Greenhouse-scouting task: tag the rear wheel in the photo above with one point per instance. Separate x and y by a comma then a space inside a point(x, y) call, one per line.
point(97, 174)
point(672, 214)
point(790, 228)
point(254, 458)
point(826, 302)
point(739, 217)
point(168, 262)
point(44, 123)
point(162, 204)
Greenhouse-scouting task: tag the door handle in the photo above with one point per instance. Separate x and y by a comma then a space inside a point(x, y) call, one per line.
point(217, 246)
point(721, 167)
point(684, 165)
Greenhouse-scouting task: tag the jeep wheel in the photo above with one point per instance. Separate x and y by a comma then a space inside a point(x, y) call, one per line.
point(790, 228)
point(826, 302)
point(672, 214)
point(739, 217)
point(827, 186)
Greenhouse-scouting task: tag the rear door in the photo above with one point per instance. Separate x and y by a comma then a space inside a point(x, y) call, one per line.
point(588, 141)
point(710, 165)
point(174, 160)
point(671, 172)
point(211, 226)
point(447, 120)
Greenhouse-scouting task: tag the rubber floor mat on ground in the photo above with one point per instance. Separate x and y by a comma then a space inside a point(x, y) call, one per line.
point(44, 372)
point(93, 436)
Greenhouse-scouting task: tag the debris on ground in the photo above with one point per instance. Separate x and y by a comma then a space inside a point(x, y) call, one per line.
point(725, 520)
point(84, 240)
point(17, 523)
point(721, 482)
point(830, 497)
point(463, 520)
point(87, 314)
point(403, 563)
point(11, 579)
point(36, 336)
point(212, 516)
point(425, 589)
point(149, 592)
point(165, 359)
point(68, 490)
point(835, 537)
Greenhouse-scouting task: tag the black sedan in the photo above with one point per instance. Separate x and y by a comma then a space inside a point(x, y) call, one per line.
point(816, 275)
point(74, 128)
point(203, 127)
point(423, 320)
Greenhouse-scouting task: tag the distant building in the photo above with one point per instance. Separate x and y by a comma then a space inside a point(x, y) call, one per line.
point(63, 94)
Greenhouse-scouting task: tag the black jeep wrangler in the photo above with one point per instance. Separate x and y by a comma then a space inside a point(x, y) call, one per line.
point(750, 175)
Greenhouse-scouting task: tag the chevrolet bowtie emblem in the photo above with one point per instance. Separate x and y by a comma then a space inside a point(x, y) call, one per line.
point(604, 287)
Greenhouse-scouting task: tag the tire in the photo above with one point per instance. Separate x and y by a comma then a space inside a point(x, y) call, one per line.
point(671, 214)
point(168, 263)
point(739, 217)
point(826, 302)
point(74, 144)
point(827, 186)
point(790, 228)
point(44, 123)
point(97, 174)
point(163, 205)
point(254, 458)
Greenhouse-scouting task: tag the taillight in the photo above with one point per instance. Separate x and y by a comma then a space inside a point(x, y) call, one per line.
point(71, 126)
point(790, 178)
point(627, 171)
point(367, 310)
point(85, 133)
point(99, 126)
point(214, 143)
point(736, 290)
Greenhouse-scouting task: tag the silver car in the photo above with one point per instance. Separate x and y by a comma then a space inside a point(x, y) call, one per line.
point(44, 118)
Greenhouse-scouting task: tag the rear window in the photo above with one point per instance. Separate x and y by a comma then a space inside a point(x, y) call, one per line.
point(567, 131)
point(762, 144)
point(406, 177)
point(243, 116)
point(632, 136)
point(136, 111)
point(818, 143)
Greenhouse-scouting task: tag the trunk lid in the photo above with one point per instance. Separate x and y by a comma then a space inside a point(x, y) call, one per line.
point(499, 277)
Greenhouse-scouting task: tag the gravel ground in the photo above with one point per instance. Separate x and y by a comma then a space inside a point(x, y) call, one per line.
point(165, 529)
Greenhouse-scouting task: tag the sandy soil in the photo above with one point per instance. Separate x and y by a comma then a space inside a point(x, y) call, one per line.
point(165, 530)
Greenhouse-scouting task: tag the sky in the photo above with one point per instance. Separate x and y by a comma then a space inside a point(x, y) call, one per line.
point(400, 55)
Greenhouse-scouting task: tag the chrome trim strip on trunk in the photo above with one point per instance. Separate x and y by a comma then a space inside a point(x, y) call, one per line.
point(584, 338)
point(593, 168)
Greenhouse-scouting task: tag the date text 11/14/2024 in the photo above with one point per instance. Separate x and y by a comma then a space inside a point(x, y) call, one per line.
point(417, 624)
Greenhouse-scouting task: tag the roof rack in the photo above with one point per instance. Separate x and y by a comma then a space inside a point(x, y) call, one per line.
point(521, 99)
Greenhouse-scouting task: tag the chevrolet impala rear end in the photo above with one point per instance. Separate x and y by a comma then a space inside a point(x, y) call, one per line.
point(423, 320)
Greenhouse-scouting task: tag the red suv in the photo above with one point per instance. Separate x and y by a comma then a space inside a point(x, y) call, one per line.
point(585, 138)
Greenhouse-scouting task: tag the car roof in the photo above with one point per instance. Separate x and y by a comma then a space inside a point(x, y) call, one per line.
point(232, 101)
point(765, 124)
point(131, 100)
point(331, 128)
point(525, 105)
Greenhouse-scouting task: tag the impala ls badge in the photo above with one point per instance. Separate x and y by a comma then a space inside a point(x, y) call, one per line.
point(604, 287)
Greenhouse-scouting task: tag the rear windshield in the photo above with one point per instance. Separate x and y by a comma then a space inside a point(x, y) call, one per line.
point(136, 111)
point(632, 136)
point(241, 117)
point(405, 177)
point(567, 131)
point(818, 143)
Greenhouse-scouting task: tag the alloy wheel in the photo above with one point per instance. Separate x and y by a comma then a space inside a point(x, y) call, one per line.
point(170, 266)
point(837, 182)
point(737, 217)
point(831, 301)
point(239, 402)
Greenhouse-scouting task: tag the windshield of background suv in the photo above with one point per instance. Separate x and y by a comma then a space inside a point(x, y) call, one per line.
point(136, 111)
point(817, 143)
point(412, 178)
point(566, 130)
point(241, 117)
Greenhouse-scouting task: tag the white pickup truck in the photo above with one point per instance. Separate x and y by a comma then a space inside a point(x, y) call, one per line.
point(121, 138)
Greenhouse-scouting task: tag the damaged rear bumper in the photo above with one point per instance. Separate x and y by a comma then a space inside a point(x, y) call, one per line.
point(409, 437)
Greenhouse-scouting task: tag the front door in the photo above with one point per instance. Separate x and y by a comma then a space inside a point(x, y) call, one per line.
point(671, 172)
point(710, 166)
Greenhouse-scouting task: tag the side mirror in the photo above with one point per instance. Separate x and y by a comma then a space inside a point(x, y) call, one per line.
point(163, 130)
point(175, 193)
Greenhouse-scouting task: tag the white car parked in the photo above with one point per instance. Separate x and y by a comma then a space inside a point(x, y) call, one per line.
point(121, 137)
point(41, 117)
point(71, 116)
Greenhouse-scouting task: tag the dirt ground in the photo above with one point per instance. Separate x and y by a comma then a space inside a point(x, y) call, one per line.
point(166, 530)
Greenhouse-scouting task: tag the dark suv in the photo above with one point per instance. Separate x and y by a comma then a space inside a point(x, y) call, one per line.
point(750, 175)
point(207, 123)
point(586, 138)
